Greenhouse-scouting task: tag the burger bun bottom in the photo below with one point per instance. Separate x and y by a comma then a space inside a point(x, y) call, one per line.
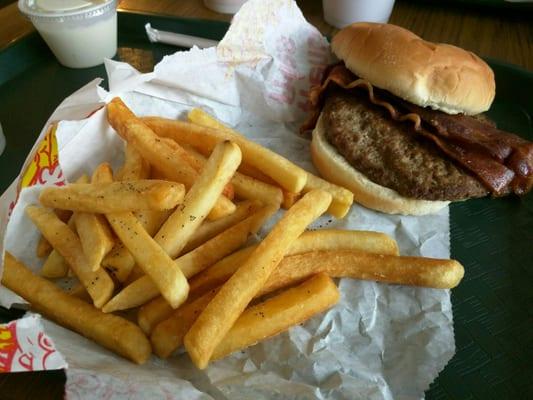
point(336, 169)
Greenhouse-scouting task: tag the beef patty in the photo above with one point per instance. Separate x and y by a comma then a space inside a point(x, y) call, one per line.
point(391, 154)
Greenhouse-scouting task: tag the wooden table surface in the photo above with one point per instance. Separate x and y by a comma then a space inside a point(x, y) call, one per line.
point(504, 35)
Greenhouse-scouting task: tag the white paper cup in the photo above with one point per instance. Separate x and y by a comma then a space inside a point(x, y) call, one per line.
point(80, 33)
point(341, 13)
point(224, 6)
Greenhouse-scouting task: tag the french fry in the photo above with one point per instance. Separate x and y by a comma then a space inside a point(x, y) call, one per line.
point(135, 167)
point(80, 292)
point(412, 271)
point(288, 175)
point(95, 237)
point(110, 331)
point(154, 261)
point(342, 197)
point(168, 335)
point(114, 197)
point(200, 199)
point(134, 295)
point(249, 188)
point(210, 229)
point(55, 265)
point(159, 154)
point(279, 313)
point(289, 198)
point(218, 317)
point(153, 312)
point(64, 240)
point(143, 289)
point(197, 161)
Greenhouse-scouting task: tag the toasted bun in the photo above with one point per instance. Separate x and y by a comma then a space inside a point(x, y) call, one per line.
point(336, 169)
point(440, 76)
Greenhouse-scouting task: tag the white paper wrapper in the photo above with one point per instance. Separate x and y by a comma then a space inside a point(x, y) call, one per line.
point(380, 341)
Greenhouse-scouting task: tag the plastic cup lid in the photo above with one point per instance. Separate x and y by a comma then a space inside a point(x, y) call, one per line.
point(63, 8)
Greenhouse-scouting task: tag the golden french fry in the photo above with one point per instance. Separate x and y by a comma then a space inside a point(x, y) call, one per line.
point(168, 335)
point(159, 154)
point(80, 292)
point(338, 239)
point(153, 312)
point(136, 273)
point(135, 167)
point(197, 161)
point(210, 229)
point(43, 248)
point(150, 257)
point(253, 172)
point(200, 199)
point(134, 295)
point(288, 175)
point(119, 261)
point(95, 237)
point(64, 240)
point(249, 188)
point(320, 240)
point(218, 317)
point(55, 265)
point(144, 289)
point(289, 198)
point(279, 313)
point(110, 331)
point(114, 196)
point(342, 197)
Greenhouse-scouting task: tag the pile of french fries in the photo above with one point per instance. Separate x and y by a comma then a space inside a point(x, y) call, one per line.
point(167, 235)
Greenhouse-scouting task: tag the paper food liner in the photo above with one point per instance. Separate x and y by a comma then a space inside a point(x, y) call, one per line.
point(380, 342)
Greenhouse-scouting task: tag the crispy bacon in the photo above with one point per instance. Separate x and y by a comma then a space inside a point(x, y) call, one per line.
point(503, 162)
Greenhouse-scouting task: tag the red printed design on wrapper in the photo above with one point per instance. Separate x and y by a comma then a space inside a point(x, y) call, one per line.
point(8, 346)
point(44, 167)
point(292, 86)
point(25, 347)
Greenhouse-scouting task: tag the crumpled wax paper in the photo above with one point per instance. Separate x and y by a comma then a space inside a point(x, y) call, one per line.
point(380, 342)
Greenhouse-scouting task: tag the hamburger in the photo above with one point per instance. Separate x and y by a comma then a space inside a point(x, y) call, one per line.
point(399, 121)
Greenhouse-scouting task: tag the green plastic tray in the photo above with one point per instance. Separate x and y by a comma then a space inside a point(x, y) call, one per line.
point(493, 238)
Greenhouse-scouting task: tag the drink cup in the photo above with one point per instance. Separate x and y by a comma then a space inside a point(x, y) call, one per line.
point(341, 13)
point(80, 33)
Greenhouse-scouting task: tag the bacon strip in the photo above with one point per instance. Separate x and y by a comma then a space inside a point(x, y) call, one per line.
point(503, 162)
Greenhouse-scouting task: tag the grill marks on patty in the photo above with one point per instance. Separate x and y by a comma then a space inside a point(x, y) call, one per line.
point(389, 154)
